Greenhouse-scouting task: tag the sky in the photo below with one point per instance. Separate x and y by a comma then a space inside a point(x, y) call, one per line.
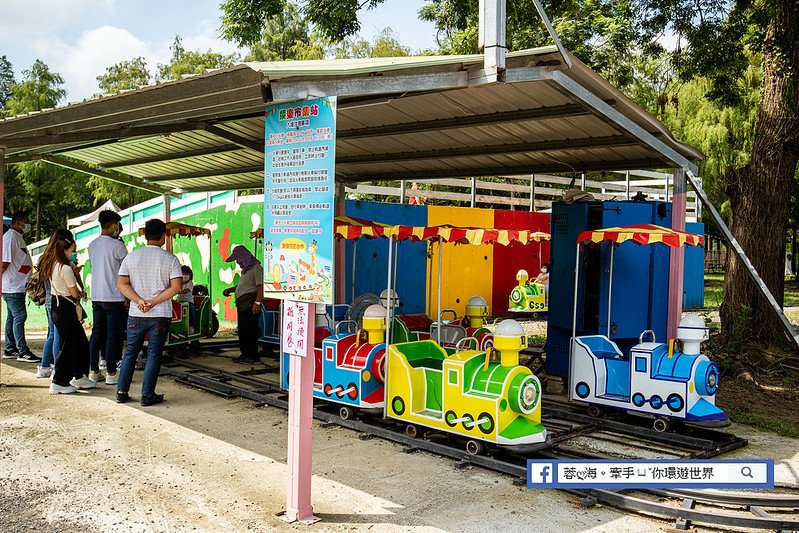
point(80, 38)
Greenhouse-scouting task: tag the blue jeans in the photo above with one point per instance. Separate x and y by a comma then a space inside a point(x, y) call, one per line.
point(156, 331)
point(50, 349)
point(15, 321)
point(109, 321)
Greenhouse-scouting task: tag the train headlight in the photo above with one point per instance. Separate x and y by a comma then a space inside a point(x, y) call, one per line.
point(707, 378)
point(524, 394)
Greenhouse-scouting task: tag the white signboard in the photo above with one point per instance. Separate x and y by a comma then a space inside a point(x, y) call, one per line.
point(296, 321)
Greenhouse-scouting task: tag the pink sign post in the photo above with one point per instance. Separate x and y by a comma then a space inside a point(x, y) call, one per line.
point(298, 342)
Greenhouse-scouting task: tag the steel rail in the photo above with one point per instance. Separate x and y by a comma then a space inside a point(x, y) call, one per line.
point(267, 393)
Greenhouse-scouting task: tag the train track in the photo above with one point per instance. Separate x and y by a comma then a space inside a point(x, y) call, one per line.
point(572, 435)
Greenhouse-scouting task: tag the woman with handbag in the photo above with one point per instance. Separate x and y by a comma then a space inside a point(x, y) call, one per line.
point(72, 362)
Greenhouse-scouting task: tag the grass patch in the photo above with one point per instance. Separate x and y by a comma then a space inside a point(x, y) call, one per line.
point(786, 428)
point(714, 291)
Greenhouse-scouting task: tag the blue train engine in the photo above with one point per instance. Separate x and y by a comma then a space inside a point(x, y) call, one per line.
point(350, 368)
point(656, 378)
point(670, 381)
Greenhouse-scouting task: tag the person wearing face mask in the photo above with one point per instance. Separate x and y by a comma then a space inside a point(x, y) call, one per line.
point(149, 277)
point(106, 254)
point(72, 360)
point(17, 267)
point(249, 294)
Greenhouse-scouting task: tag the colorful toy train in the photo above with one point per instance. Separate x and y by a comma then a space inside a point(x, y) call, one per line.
point(527, 296)
point(655, 378)
point(483, 395)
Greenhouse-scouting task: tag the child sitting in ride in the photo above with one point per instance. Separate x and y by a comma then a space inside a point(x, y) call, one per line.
point(186, 293)
point(543, 279)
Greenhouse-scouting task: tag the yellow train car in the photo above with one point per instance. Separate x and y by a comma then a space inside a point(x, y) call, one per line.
point(484, 396)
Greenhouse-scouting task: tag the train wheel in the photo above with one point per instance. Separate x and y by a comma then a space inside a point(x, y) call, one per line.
point(475, 447)
point(535, 315)
point(346, 413)
point(661, 424)
point(413, 431)
point(594, 411)
point(449, 416)
point(398, 405)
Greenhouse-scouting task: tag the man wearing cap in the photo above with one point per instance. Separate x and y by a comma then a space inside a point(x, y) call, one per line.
point(249, 294)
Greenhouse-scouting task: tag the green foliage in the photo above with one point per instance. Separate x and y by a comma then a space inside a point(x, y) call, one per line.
point(287, 36)
point(243, 20)
point(385, 44)
point(6, 80)
point(124, 75)
point(185, 62)
point(39, 89)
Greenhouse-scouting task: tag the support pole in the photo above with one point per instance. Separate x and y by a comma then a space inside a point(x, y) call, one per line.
point(168, 219)
point(473, 196)
point(741, 255)
point(610, 285)
point(389, 299)
point(402, 191)
point(627, 189)
point(354, 256)
point(676, 255)
point(582, 181)
point(491, 36)
point(2, 212)
point(532, 193)
point(301, 371)
point(440, 267)
point(574, 314)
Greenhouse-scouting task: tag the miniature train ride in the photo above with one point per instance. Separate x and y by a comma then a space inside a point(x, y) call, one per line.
point(527, 296)
point(669, 381)
point(206, 323)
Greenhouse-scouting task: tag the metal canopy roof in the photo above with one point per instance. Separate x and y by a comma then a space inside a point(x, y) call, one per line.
point(398, 118)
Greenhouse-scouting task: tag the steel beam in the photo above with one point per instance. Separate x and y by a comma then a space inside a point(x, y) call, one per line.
point(289, 91)
point(669, 154)
point(531, 147)
point(238, 140)
point(741, 255)
point(498, 170)
point(561, 111)
point(207, 174)
point(174, 156)
point(115, 176)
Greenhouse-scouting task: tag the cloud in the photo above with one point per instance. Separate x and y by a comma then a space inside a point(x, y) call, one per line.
point(42, 17)
point(95, 50)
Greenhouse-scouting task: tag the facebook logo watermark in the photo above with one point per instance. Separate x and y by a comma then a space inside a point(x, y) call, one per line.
point(651, 473)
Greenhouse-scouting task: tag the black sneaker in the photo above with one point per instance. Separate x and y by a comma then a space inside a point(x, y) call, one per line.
point(147, 401)
point(10, 354)
point(28, 357)
point(122, 397)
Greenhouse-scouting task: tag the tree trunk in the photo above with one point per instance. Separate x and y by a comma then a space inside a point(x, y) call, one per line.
point(760, 191)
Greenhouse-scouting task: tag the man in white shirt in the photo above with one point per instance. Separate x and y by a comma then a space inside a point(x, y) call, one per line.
point(17, 267)
point(106, 253)
point(149, 277)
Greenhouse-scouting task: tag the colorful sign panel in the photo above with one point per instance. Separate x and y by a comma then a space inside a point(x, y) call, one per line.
point(299, 200)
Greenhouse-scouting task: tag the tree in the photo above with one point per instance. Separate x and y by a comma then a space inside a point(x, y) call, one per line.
point(284, 36)
point(124, 75)
point(6, 80)
point(40, 89)
point(385, 44)
point(243, 21)
point(185, 62)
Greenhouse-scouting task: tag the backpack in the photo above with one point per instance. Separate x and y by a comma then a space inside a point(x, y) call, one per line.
point(36, 289)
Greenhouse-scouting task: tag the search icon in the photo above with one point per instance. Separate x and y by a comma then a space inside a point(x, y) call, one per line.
point(746, 471)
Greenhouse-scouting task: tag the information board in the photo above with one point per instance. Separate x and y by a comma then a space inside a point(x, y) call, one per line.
point(299, 194)
point(296, 320)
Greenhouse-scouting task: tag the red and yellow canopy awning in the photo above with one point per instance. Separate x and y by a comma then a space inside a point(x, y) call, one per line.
point(354, 228)
point(641, 234)
point(466, 235)
point(184, 230)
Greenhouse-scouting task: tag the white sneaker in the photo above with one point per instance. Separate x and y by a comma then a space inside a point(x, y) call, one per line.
point(96, 376)
point(44, 372)
point(60, 389)
point(110, 379)
point(102, 364)
point(83, 383)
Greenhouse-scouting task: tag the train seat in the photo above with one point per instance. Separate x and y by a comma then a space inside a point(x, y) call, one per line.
point(601, 347)
point(450, 333)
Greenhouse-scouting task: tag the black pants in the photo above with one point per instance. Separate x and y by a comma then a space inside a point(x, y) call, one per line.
point(109, 323)
point(249, 332)
point(72, 360)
